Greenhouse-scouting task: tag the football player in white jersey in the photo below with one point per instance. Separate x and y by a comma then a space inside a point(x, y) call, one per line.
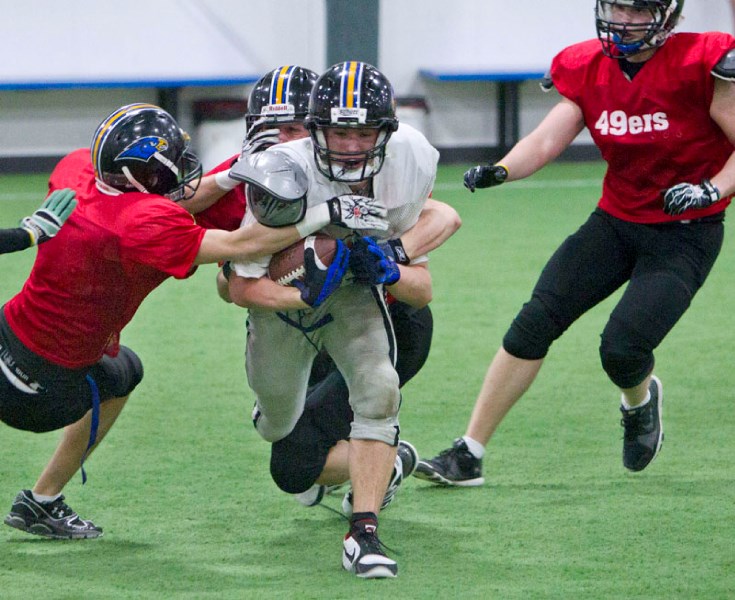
point(355, 148)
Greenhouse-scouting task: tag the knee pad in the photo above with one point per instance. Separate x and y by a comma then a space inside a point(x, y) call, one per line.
point(381, 430)
point(273, 428)
point(625, 361)
point(532, 332)
point(374, 393)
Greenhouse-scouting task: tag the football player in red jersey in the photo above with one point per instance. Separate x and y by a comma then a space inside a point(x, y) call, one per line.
point(659, 106)
point(42, 225)
point(61, 362)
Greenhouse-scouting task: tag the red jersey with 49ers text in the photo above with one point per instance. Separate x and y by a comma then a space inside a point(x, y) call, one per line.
point(653, 130)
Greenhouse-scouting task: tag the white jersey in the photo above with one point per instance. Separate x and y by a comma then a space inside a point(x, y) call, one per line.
point(403, 184)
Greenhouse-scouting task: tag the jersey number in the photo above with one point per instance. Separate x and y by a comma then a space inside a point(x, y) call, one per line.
point(618, 123)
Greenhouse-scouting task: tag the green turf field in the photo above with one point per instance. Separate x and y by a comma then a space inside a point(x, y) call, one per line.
point(182, 489)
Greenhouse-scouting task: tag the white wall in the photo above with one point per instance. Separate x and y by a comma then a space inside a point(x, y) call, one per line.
point(493, 35)
point(144, 41)
point(228, 40)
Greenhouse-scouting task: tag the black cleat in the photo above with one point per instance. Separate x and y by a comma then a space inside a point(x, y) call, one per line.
point(52, 520)
point(644, 431)
point(453, 466)
point(363, 554)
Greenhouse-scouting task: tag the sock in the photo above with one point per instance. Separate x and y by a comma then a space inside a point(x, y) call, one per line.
point(476, 448)
point(627, 406)
point(363, 520)
point(41, 499)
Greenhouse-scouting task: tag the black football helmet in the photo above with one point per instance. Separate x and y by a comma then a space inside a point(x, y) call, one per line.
point(141, 148)
point(280, 96)
point(612, 33)
point(355, 95)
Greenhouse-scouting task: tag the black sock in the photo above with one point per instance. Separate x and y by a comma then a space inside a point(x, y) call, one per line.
point(363, 520)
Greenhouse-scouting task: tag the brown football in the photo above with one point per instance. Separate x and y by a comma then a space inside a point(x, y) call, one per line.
point(288, 264)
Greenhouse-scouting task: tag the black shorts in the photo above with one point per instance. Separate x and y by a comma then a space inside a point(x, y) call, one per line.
point(299, 458)
point(37, 395)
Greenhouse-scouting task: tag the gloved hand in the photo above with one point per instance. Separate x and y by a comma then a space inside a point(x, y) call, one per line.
point(46, 221)
point(684, 196)
point(483, 176)
point(319, 284)
point(358, 212)
point(258, 141)
point(394, 250)
point(369, 263)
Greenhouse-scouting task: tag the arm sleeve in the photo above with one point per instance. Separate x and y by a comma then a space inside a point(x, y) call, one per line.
point(255, 268)
point(14, 239)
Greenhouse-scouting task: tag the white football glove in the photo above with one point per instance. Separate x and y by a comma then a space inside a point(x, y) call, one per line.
point(358, 212)
point(259, 141)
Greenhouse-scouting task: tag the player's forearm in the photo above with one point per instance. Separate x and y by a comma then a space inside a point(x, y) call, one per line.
point(437, 222)
point(414, 287)
point(244, 244)
point(264, 293)
point(545, 143)
point(206, 195)
point(14, 239)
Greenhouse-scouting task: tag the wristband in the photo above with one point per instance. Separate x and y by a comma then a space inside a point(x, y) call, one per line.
point(224, 181)
point(399, 252)
point(315, 218)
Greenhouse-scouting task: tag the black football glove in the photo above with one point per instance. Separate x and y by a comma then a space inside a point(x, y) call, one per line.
point(684, 196)
point(484, 176)
point(369, 263)
point(319, 284)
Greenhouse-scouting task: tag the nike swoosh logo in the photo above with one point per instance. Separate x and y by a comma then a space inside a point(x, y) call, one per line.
point(350, 557)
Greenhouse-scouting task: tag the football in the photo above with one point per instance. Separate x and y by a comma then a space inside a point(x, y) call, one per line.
point(288, 265)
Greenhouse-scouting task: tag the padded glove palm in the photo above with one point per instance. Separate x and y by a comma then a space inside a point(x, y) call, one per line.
point(46, 221)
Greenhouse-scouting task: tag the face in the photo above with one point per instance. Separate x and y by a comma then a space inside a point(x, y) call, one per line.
point(346, 142)
point(291, 131)
point(630, 15)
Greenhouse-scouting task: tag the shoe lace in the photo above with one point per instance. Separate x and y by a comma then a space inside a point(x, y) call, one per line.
point(637, 422)
point(448, 454)
point(370, 543)
point(60, 509)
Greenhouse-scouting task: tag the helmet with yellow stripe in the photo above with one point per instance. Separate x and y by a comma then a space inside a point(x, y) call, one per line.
point(351, 95)
point(141, 148)
point(281, 96)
